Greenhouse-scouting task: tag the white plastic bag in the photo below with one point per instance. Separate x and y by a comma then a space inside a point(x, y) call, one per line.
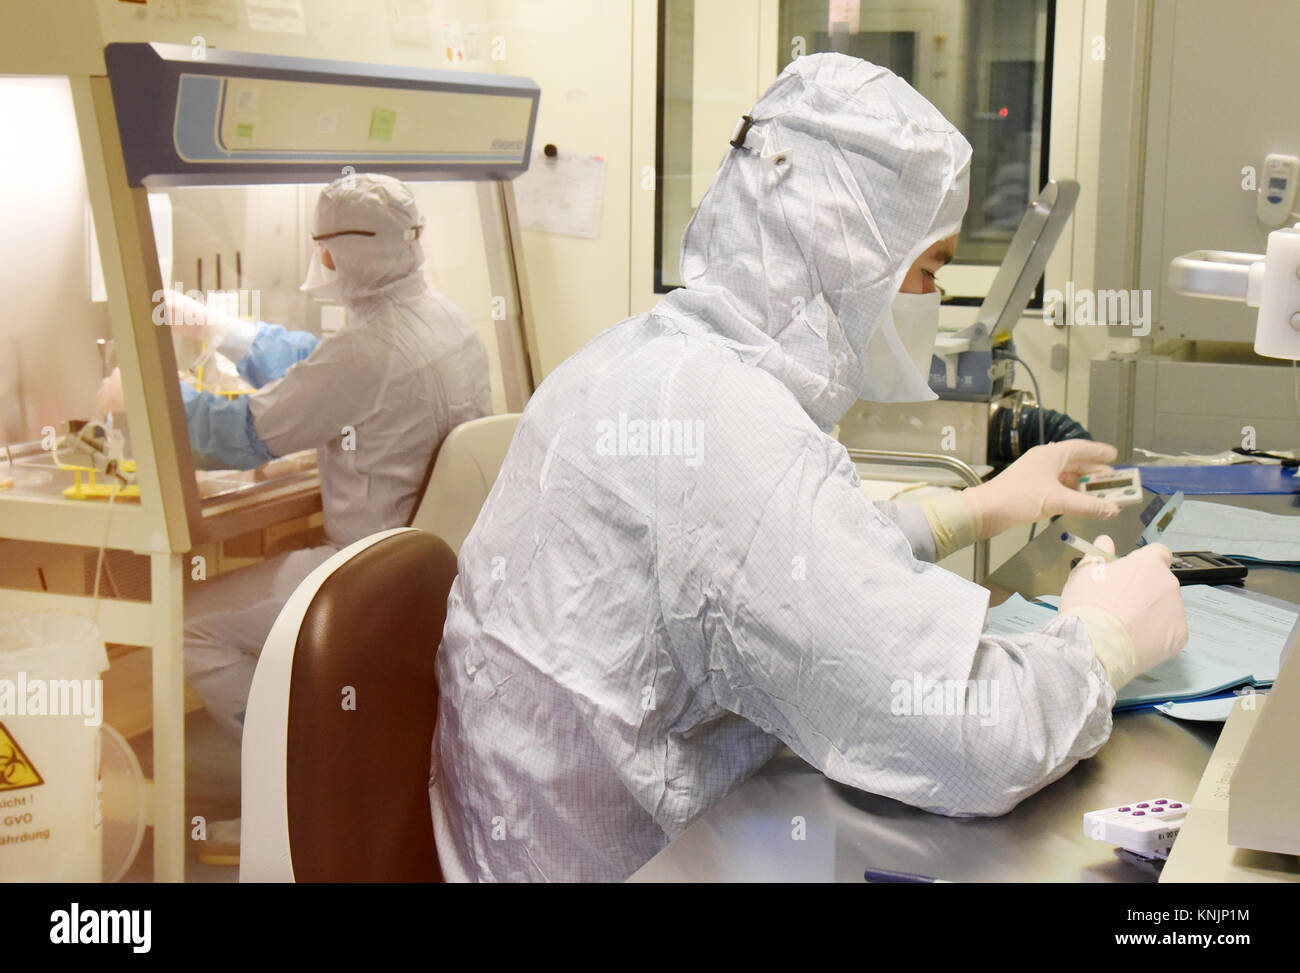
point(51, 709)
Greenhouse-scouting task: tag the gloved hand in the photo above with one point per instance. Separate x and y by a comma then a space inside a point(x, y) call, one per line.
point(109, 397)
point(193, 319)
point(1042, 483)
point(1131, 607)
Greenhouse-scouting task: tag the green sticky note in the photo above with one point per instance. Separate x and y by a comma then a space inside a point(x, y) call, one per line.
point(243, 130)
point(382, 123)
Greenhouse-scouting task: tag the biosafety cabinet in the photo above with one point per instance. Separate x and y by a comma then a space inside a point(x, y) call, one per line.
point(195, 166)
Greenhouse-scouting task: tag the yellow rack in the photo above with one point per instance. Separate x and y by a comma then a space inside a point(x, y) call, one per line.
point(89, 489)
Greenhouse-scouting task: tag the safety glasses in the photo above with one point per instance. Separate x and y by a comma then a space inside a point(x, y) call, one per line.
point(331, 236)
point(411, 234)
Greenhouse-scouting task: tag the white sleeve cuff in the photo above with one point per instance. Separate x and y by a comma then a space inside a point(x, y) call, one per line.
point(1111, 643)
point(911, 520)
point(238, 339)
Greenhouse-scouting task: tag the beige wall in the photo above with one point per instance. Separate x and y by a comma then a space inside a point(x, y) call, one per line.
point(580, 53)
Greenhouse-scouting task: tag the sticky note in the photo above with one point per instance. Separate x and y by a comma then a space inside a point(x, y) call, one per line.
point(382, 123)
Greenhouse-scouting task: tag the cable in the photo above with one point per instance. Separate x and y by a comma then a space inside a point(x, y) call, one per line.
point(108, 525)
point(1295, 376)
point(1038, 397)
point(113, 590)
point(99, 563)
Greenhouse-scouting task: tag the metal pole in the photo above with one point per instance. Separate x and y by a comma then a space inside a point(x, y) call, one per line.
point(952, 464)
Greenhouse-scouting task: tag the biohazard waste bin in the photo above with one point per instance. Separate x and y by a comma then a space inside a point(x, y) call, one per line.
point(51, 708)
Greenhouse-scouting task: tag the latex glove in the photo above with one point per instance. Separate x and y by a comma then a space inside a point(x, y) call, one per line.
point(109, 397)
point(1042, 483)
point(1131, 607)
point(193, 319)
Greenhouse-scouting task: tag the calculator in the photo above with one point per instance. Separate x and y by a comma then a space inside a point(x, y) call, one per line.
point(1201, 567)
point(1206, 567)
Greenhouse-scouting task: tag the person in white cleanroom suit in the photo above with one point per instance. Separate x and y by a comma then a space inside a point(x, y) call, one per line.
point(375, 400)
point(642, 620)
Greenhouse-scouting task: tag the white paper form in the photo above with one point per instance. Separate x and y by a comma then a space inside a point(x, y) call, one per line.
point(1201, 710)
point(1232, 638)
point(221, 12)
point(276, 16)
point(1018, 615)
point(562, 195)
point(1224, 529)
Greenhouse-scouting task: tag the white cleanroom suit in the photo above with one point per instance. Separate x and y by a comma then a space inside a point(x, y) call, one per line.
point(375, 400)
point(677, 573)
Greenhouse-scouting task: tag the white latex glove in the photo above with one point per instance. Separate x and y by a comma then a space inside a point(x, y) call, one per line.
point(109, 397)
point(1131, 607)
point(193, 319)
point(1042, 483)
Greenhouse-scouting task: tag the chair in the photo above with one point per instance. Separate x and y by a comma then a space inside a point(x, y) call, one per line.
point(340, 719)
point(463, 473)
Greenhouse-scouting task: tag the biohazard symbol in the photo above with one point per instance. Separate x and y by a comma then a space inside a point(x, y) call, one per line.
point(16, 769)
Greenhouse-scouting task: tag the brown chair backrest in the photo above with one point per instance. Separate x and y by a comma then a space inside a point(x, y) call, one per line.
point(363, 704)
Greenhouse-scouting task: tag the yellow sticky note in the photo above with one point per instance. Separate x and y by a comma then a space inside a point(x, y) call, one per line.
point(382, 123)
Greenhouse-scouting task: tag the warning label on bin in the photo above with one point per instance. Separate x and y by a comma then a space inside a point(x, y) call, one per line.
point(16, 769)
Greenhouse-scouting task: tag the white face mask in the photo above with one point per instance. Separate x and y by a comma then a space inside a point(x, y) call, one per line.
point(916, 319)
point(899, 352)
point(322, 282)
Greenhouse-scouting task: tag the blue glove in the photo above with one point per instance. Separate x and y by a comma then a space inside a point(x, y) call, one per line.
point(272, 352)
point(222, 435)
